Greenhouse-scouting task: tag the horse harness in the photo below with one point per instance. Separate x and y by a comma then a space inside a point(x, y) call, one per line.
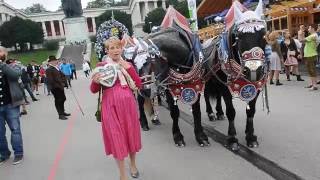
point(186, 87)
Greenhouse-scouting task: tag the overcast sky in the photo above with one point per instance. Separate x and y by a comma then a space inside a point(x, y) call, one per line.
point(51, 5)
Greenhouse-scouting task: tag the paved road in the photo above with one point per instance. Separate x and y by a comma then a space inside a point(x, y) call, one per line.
point(73, 149)
point(289, 135)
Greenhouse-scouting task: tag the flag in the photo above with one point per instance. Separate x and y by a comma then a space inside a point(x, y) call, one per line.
point(173, 15)
point(192, 6)
point(229, 19)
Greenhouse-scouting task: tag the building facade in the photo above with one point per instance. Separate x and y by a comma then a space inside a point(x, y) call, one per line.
point(53, 27)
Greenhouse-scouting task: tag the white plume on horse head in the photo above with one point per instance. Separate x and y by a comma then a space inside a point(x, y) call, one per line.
point(241, 17)
point(142, 53)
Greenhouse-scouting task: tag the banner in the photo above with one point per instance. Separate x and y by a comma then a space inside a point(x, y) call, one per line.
point(192, 6)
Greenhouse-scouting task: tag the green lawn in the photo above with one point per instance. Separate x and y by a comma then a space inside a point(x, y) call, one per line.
point(37, 55)
point(94, 59)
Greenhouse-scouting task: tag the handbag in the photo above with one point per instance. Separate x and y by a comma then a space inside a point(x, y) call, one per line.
point(98, 112)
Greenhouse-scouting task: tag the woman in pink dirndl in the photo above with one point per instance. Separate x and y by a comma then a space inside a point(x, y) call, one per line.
point(120, 121)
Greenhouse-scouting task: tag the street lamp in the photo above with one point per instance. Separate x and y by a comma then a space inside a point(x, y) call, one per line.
point(150, 26)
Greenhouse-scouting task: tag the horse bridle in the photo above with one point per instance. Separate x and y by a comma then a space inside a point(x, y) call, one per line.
point(255, 53)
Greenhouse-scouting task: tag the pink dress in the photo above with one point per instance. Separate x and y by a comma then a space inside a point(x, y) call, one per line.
point(120, 120)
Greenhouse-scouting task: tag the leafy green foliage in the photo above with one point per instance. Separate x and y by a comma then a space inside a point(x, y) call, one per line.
point(35, 8)
point(97, 4)
point(182, 7)
point(51, 45)
point(19, 31)
point(37, 55)
point(94, 58)
point(93, 39)
point(120, 16)
point(155, 17)
point(121, 3)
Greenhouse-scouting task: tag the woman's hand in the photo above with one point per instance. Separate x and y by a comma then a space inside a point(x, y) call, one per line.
point(96, 77)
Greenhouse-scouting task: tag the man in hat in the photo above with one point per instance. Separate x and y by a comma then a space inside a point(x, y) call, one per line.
point(57, 80)
point(11, 97)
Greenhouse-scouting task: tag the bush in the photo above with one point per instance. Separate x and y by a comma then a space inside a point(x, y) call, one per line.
point(93, 39)
point(51, 44)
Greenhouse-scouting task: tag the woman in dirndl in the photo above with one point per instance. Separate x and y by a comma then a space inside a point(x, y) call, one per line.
point(120, 121)
point(290, 54)
point(276, 58)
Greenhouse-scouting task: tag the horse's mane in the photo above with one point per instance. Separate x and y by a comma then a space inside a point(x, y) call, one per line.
point(172, 45)
point(162, 31)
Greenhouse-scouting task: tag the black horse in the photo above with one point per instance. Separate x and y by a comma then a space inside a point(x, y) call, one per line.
point(210, 92)
point(245, 36)
point(176, 52)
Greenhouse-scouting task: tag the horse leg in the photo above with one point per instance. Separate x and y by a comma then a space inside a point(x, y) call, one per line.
point(209, 110)
point(143, 118)
point(220, 113)
point(155, 120)
point(175, 113)
point(232, 141)
point(201, 137)
point(159, 100)
point(250, 137)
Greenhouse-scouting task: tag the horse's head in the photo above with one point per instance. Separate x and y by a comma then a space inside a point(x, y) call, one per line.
point(166, 50)
point(249, 43)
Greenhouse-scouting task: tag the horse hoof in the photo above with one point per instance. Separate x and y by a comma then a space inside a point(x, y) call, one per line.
point(253, 144)
point(234, 147)
point(232, 143)
point(212, 117)
point(180, 144)
point(221, 117)
point(202, 139)
point(205, 143)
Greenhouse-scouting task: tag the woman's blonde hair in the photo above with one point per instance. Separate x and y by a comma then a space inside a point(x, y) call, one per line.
point(5, 51)
point(111, 40)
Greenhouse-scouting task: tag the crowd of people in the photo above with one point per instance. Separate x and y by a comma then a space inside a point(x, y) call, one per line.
point(16, 81)
point(119, 114)
point(288, 51)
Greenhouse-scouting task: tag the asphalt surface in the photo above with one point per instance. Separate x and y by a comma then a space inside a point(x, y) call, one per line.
point(73, 149)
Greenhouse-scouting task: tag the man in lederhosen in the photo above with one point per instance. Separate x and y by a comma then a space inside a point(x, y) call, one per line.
point(57, 80)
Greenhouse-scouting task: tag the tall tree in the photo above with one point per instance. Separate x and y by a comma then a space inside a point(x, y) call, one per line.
point(156, 16)
point(120, 3)
point(19, 31)
point(153, 18)
point(35, 8)
point(120, 16)
point(182, 7)
point(60, 8)
point(97, 4)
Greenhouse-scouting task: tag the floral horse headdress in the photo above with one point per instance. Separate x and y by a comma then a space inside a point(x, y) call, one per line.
point(105, 31)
